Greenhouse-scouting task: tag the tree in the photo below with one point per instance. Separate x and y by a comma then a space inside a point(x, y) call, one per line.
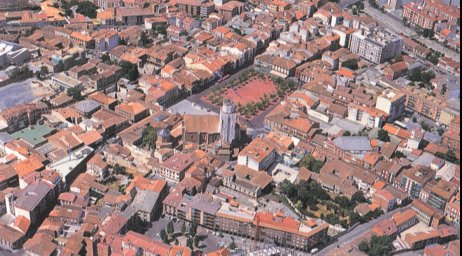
point(311, 163)
point(415, 75)
point(117, 169)
point(193, 229)
point(399, 58)
point(196, 241)
point(377, 246)
point(351, 64)
point(364, 246)
point(160, 29)
point(144, 40)
point(428, 76)
point(149, 137)
point(74, 93)
point(183, 228)
point(232, 246)
point(428, 33)
point(189, 243)
point(85, 8)
point(170, 228)
point(357, 197)
point(434, 57)
point(41, 74)
point(399, 154)
point(23, 71)
point(163, 235)
point(342, 201)
point(425, 126)
point(383, 135)
point(130, 70)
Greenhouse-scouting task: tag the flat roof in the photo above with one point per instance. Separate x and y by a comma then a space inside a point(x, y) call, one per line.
point(34, 135)
point(67, 164)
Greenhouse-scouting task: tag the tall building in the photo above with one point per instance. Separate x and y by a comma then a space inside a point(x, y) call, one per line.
point(228, 120)
point(376, 45)
point(393, 103)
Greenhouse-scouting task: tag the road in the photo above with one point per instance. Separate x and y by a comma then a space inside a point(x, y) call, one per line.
point(397, 26)
point(358, 231)
point(345, 3)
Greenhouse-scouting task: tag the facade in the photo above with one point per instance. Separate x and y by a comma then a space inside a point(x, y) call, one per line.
point(413, 180)
point(21, 116)
point(392, 103)
point(452, 211)
point(369, 117)
point(376, 45)
point(416, 15)
point(196, 8)
point(258, 155)
point(424, 104)
point(175, 167)
point(134, 111)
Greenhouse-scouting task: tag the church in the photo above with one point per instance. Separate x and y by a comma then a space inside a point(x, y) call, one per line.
point(207, 130)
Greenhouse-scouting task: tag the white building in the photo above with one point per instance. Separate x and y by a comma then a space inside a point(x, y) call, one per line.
point(258, 155)
point(12, 54)
point(369, 117)
point(393, 103)
point(376, 45)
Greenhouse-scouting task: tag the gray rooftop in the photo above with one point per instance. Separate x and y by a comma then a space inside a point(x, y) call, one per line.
point(87, 106)
point(32, 195)
point(189, 108)
point(5, 138)
point(145, 201)
point(353, 143)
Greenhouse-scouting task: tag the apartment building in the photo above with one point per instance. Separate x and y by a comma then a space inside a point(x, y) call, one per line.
point(452, 210)
point(200, 8)
point(393, 103)
point(34, 202)
point(230, 217)
point(413, 180)
point(376, 45)
point(175, 167)
point(231, 9)
point(417, 15)
point(16, 118)
point(369, 117)
point(421, 102)
point(134, 111)
point(258, 155)
point(280, 121)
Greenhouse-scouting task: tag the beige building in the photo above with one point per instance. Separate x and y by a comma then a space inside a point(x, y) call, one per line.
point(393, 103)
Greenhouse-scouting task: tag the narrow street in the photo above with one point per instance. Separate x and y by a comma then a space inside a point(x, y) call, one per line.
point(358, 231)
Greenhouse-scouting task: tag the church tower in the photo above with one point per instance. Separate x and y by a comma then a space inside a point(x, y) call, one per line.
point(228, 120)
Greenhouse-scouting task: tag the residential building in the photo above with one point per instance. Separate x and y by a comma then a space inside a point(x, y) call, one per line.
point(200, 8)
point(393, 103)
point(134, 111)
point(21, 116)
point(175, 167)
point(376, 45)
point(260, 154)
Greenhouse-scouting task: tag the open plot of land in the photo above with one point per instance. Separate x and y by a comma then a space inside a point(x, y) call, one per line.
point(252, 90)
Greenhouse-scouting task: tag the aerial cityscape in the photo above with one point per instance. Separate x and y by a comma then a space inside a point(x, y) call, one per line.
point(229, 127)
